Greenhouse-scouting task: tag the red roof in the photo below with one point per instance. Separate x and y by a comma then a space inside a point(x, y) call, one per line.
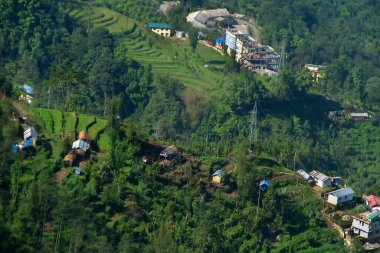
point(373, 200)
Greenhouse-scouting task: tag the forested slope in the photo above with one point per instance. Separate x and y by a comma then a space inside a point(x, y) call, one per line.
point(84, 65)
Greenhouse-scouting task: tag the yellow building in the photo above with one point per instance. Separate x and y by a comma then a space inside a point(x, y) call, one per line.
point(218, 177)
point(162, 29)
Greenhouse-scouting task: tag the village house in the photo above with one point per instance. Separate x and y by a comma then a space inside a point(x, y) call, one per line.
point(320, 179)
point(366, 225)
point(218, 177)
point(358, 115)
point(162, 29)
point(260, 59)
point(27, 94)
point(80, 146)
point(208, 18)
point(316, 70)
point(305, 175)
point(30, 133)
point(373, 202)
point(169, 153)
point(323, 181)
point(340, 196)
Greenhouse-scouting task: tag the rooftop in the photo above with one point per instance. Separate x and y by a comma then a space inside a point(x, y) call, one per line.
point(304, 174)
point(342, 192)
point(219, 173)
point(359, 114)
point(28, 89)
point(366, 216)
point(159, 26)
point(318, 175)
point(373, 200)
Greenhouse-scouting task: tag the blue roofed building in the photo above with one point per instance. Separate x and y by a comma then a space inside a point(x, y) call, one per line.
point(27, 94)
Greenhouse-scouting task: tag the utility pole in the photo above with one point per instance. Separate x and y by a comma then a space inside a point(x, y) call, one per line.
point(157, 130)
point(253, 132)
point(294, 161)
point(48, 98)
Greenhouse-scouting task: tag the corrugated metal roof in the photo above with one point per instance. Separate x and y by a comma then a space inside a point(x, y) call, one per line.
point(219, 173)
point(342, 192)
point(303, 174)
point(359, 114)
point(159, 26)
point(319, 176)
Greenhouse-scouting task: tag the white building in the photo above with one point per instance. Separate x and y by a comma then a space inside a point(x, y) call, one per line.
point(358, 115)
point(366, 225)
point(80, 144)
point(30, 133)
point(321, 179)
point(340, 196)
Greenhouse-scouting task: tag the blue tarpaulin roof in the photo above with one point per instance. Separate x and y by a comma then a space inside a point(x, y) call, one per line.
point(78, 170)
point(220, 40)
point(264, 185)
point(28, 89)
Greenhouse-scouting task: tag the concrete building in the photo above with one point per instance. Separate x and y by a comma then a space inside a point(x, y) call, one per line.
point(366, 225)
point(81, 146)
point(340, 196)
point(320, 179)
point(162, 29)
point(208, 18)
point(261, 59)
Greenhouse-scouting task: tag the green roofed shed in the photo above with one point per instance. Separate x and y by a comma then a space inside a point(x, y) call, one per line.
point(159, 26)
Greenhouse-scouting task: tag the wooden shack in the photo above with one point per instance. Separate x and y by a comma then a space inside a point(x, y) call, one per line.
point(218, 177)
point(70, 158)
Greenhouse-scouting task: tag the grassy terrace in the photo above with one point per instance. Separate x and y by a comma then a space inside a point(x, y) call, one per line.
point(200, 70)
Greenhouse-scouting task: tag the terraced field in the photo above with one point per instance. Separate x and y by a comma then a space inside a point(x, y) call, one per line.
point(174, 58)
point(201, 70)
point(87, 11)
point(55, 124)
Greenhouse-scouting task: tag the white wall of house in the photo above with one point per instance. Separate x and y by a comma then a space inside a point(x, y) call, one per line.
point(370, 230)
point(338, 200)
point(322, 184)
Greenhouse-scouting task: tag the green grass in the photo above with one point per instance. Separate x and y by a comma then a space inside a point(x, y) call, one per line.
point(84, 121)
point(57, 119)
point(100, 17)
point(94, 130)
point(70, 121)
point(104, 142)
point(175, 58)
point(47, 120)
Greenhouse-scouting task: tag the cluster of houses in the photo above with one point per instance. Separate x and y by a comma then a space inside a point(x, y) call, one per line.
point(352, 115)
point(250, 53)
point(30, 140)
point(366, 224)
point(78, 152)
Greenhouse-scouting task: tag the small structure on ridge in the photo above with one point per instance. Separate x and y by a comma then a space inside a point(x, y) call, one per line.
point(162, 29)
point(218, 177)
point(169, 153)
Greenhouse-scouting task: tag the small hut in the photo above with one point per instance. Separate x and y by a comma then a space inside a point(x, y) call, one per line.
point(169, 153)
point(70, 158)
point(218, 177)
point(83, 135)
point(30, 133)
point(80, 146)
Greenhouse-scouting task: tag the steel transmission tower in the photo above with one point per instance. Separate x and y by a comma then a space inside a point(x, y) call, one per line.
point(253, 132)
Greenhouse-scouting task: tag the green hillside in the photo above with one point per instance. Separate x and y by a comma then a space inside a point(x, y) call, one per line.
point(201, 70)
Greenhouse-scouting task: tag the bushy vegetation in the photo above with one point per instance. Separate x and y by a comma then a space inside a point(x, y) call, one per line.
point(88, 62)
